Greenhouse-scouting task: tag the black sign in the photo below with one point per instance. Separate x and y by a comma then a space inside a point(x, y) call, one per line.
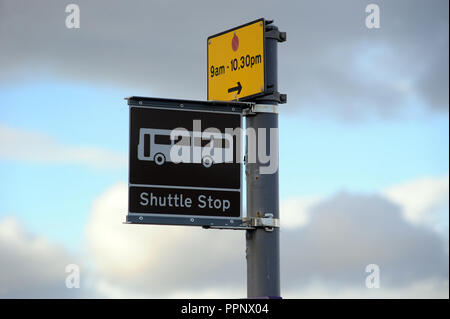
point(184, 201)
point(185, 161)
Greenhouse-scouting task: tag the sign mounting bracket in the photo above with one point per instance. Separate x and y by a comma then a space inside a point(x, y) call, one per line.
point(250, 223)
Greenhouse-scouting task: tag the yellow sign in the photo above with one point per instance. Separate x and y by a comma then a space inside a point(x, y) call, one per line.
point(236, 62)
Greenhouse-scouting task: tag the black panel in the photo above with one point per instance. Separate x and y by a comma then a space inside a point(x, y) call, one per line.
point(223, 175)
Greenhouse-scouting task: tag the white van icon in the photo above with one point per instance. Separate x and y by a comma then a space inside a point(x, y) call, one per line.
point(208, 149)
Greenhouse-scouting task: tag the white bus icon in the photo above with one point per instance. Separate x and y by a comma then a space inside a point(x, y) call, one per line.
point(207, 148)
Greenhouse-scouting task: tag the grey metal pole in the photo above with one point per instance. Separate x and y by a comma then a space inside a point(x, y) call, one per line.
point(263, 246)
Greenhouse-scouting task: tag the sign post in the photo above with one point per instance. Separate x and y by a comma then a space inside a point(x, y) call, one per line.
point(243, 65)
point(263, 244)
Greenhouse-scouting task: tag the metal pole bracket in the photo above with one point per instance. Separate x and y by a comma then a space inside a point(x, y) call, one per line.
point(273, 33)
point(267, 222)
point(261, 108)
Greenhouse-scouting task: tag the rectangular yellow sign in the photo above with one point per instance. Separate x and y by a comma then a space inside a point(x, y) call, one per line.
point(236, 63)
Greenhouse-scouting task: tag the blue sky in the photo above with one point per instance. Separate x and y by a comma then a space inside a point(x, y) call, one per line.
point(324, 156)
point(56, 198)
point(365, 156)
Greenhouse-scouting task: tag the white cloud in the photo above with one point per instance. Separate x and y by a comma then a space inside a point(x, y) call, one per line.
point(346, 232)
point(296, 210)
point(159, 260)
point(29, 146)
point(106, 289)
point(424, 201)
point(323, 256)
point(426, 289)
point(31, 266)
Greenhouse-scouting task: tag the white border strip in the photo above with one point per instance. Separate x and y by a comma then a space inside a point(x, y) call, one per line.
point(187, 187)
point(185, 216)
point(181, 108)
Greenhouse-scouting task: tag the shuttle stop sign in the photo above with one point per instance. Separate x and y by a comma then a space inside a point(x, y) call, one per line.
point(236, 63)
point(185, 162)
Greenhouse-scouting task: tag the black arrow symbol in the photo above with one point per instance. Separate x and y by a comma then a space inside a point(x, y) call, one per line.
point(237, 88)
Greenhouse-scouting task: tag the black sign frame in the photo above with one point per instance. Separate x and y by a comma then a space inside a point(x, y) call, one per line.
point(206, 220)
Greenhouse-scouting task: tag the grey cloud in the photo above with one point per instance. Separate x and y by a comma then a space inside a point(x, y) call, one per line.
point(159, 48)
point(32, 267)
point(348, 232)
point(344, 234)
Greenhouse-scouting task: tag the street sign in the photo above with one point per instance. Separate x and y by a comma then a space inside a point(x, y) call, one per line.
point(236, 63)
point(185, 162)
point(185, 157)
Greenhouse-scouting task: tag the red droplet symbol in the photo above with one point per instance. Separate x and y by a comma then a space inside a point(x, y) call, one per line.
point(235, 43)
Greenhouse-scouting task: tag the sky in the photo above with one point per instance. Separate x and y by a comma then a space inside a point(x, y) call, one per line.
point(364, 148)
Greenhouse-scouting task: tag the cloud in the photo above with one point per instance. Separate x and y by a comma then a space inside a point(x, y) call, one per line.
point(31, 266)
point(324, 255)
point(158, 261)
point(349, 231)
point(424, 201)
point(36, 147)
point(331, 63)
point(296, 210)
point(427, 289)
